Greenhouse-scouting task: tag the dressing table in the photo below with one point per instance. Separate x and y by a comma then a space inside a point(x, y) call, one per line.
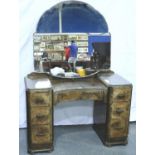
point(104, 86)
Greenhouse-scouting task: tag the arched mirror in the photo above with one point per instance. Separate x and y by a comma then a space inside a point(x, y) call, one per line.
point(71, 17)
point(72, 21)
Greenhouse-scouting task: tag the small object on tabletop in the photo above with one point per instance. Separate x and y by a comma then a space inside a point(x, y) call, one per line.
point(81, 71)
point(57, 71)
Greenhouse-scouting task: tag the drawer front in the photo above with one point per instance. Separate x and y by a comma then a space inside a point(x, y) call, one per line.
point(78, 95)
point(40, 98)
point(118, 119)
point(120, 94)
point(118, 128)
point(41, 134)
point(120, 108)
point(40, 115)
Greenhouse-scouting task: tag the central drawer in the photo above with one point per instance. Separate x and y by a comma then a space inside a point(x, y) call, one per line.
point(78, 95)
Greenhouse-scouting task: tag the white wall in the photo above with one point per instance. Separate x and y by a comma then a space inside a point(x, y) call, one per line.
point(120, 16)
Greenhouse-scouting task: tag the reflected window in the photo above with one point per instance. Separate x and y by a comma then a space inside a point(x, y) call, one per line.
point(72, 16)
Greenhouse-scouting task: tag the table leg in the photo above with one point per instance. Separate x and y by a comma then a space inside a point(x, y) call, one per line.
point(99, 119)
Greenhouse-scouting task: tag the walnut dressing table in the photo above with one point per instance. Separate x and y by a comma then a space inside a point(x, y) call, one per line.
point(105, 87)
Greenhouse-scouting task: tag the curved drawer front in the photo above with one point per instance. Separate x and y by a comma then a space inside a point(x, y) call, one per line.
point(78, 95)
point(40, 115)
point(40, 98)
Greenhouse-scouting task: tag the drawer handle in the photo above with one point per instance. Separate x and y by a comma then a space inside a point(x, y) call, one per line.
point(118, 110)
point(41, 117)
point(39, 101)
point(40, 134)
point(121, 96)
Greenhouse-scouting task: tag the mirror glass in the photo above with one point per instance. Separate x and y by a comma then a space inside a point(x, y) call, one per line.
point(71, 35)
point(55, 50)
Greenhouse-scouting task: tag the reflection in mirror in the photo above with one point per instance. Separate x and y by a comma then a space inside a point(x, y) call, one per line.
point(71, 17)
point(67, 37)
point(70, 51)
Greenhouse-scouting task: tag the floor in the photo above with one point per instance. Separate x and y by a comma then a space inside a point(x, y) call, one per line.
point(81, 140)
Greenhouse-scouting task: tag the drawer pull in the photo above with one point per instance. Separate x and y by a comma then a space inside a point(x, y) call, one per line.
point(118, 110)
point(40, 134)
point(121, 96)
point(41, 117)
point(39, 101)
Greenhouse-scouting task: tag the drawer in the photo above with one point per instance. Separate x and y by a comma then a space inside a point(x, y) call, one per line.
point(40, 98)
point(120, 94)
point(40, 115)
point(120, 108)
point(118, 133)
point(79, 95)
point(118, 128)
point(40, 134)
